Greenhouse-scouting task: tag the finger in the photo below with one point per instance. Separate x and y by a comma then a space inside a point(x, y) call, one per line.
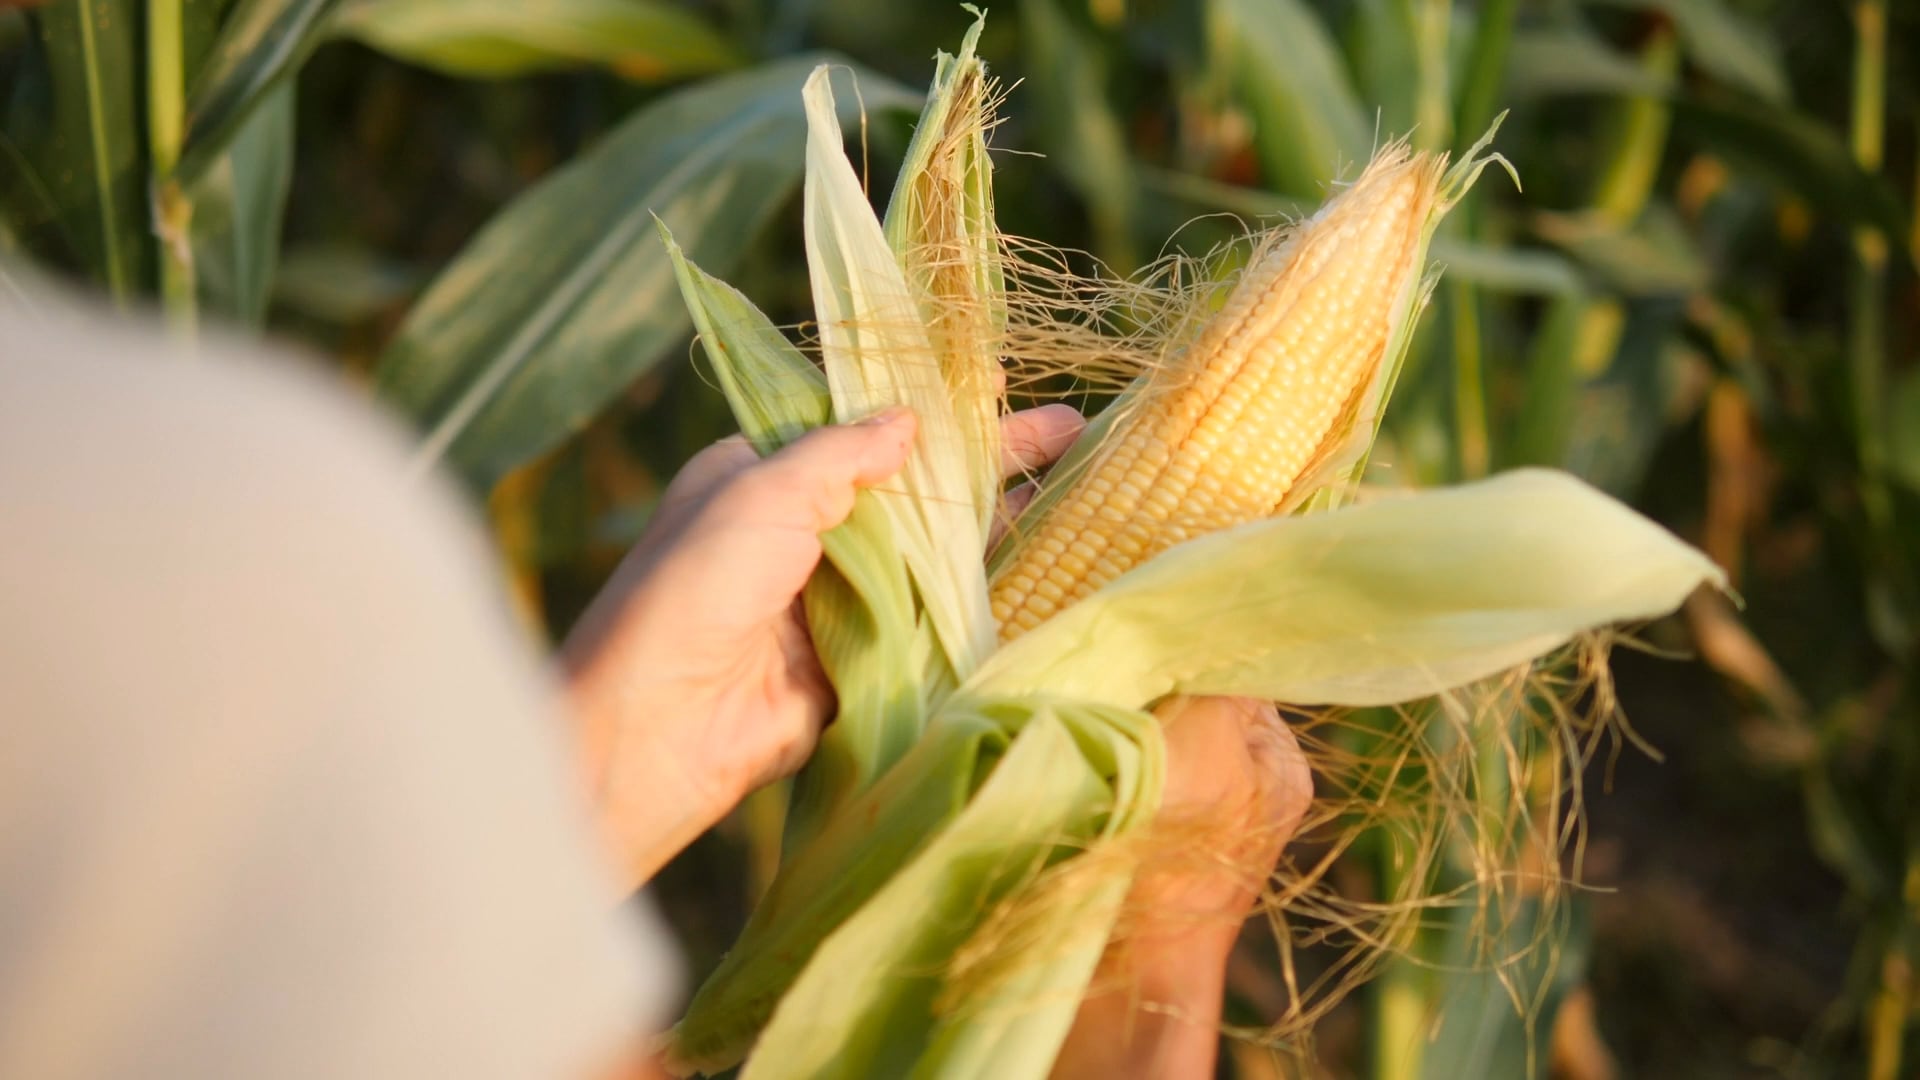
point(1286, 779)
point(1020, 498)
point(1234, 761)
point(1032, 439)
point(1222, 830)
point(1011, 505)
point(711, 467)
point(809, 485)
point(1209, 768)
point(709, 470)
point(747, 550)
point(705, 472)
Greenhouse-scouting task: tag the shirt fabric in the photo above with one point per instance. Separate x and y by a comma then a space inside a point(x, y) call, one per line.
point(283, 790)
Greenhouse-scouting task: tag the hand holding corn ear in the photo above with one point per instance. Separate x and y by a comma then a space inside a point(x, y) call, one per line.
point(978, 821)
point(1237, 789)
point(693, 673)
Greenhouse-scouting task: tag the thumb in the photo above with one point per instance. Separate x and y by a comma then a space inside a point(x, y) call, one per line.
point(809, 485)
point(1286, 779)
point(748, 551)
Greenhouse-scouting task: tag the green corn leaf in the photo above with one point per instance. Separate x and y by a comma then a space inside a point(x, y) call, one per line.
point(643, 40)
point(1579, 334)
point(76, 156)
point(238, 204)
point(1551, 61)
point(1625, 412)
point(559, 302)
point(1791, 149)
point(1077, 122)
point(339, 284)
point(1308, 122)
point(1504, 976)
point(1520, 271)
point(1578, 338)
point(261, 45)
point(1654, 256)
point(1375, 604)
point(1635, 133)
point(1904, 432)
point(1723, 43)
point(860, 607)
point(878, 354)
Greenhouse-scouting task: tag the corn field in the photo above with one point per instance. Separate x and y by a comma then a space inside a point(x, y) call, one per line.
point(1678, 241)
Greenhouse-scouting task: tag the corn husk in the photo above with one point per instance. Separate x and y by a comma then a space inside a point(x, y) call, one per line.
point(878, 353)
point(860, 603)
point(1400, 597)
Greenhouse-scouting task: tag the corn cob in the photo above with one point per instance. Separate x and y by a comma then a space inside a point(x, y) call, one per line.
point(1230, 430)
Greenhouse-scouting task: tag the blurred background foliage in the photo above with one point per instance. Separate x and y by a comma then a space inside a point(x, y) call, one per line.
point(1704, 300)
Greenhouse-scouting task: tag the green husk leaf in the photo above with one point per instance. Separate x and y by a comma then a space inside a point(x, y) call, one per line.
point(1073, 774)
point(855, 856)
point(860, 605)
point(940, 225)
point(1375, 604)
point(877, 354)
point(238, 203)
point(1009, 1017)
point(776, 393)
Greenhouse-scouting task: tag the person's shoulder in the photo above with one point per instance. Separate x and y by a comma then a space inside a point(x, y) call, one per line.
point(114, 421)
point(246, 642)
point(87, 390)
point(236, 478)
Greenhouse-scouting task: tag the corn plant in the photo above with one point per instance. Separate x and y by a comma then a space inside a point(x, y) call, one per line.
point(149, 149)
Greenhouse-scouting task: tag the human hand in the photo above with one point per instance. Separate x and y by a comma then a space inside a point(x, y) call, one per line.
point(692, 674)
point(1237, 789)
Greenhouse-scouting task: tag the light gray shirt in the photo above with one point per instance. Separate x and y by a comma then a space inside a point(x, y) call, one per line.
point(283, 789)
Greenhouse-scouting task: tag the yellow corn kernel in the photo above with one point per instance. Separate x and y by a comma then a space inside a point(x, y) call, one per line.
point(1268, 390)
